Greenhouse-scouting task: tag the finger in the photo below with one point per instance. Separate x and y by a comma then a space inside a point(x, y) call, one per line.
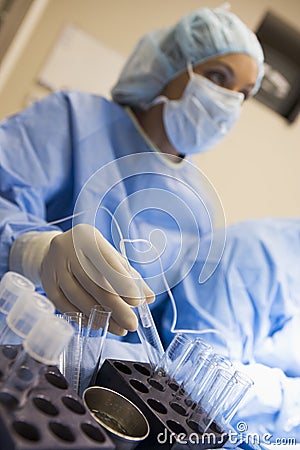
point(52, 290)
point(89, 275)
point(56, 295)
point(122, 313)
point(114, 328)
point(148, 293)
point(92, 275)
point(97, 255)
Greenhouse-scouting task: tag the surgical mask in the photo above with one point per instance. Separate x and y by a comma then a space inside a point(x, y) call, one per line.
point(202, 117)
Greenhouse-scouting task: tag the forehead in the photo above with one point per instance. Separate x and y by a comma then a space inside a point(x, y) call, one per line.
point(243, 66)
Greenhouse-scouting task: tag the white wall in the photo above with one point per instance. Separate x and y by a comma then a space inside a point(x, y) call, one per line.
point(255, 170)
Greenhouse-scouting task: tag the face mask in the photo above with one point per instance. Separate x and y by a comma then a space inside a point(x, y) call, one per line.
point(202, 117)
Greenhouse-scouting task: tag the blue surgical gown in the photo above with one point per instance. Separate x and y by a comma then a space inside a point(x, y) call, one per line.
point(252, 300)
point(79, 153)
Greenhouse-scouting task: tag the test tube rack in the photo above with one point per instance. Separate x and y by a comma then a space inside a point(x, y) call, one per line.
point(54, 416)
point(167, 418)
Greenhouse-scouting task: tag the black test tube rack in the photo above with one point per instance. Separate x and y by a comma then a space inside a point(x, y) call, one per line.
point(53, 417)
point(167, 418)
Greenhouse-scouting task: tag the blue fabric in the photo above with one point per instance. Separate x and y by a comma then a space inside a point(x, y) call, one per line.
point(79, 152)
point(162, 54)
point(253, 300)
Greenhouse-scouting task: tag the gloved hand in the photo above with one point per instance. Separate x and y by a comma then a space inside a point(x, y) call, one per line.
point(81, 268)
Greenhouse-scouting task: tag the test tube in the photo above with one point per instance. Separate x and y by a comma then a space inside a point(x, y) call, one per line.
point(41, 347)
point(12, 285)
point(231, 399)
point(72, 355)
point(93, 346)
point(148, 333)
point(185, 371)
point(199, 419)
point(172, 357)
point(208, 366)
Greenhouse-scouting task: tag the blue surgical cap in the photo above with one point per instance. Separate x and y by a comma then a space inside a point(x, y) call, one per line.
point(161, 55)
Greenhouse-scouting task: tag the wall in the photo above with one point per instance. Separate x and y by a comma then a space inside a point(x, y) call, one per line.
point(255, 170)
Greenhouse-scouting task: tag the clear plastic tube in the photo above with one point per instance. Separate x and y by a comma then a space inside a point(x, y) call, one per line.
point(148, 334)
point(210, 365)
point(72, 355)
point(199, 418)
point(185, 372)
point(93, 346)
point(173, 356)
point(146, 330)
point(230, 400)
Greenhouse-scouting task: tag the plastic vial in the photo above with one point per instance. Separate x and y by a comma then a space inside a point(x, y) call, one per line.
point(23, 315)
point(12, 286)
point(42, 346)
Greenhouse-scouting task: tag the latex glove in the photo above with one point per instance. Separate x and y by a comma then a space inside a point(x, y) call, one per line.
point(81, 268)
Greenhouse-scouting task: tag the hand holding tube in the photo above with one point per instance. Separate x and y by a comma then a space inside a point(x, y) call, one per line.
point(82, 268)
point(78, 269)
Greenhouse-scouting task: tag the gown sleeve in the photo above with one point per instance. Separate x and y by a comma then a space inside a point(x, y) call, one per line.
point(35, 166)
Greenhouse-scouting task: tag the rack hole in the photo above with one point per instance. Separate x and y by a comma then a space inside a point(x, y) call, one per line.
point(8, 399)
point(26, 430)
point(176, 427)
point(92, 432)
point(73, 404)
point(214, 427)
point(194, 425)
point(190, 403)
point(122, 368)
point(139, 386)
point(157, 406)
point(10, 351)
point(45, 405)
point(25, 374)
point(173, 385)
point(62, 431)
point(178, 408)
point(57, 380)
point(156, 384)
point(142, 369)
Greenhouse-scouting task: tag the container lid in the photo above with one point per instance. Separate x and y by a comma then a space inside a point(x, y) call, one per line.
point(12, 286)
point(48, 338)
point(26, 311)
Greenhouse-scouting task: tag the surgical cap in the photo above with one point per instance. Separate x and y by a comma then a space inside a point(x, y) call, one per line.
point(161, 55)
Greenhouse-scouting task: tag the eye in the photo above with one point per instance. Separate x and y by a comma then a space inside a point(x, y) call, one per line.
point(246, 94)
point(218, 77)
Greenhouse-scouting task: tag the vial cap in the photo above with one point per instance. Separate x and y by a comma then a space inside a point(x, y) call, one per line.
point(26, 311)
point(12, 286)
point(48, 338)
